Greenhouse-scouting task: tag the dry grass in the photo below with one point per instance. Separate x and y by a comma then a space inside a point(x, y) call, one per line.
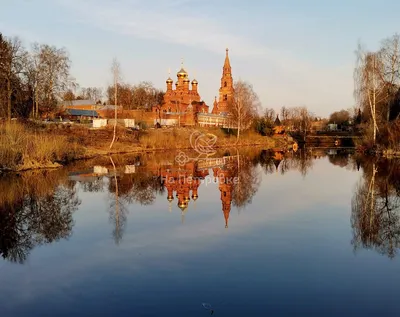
point(178, 138)
point(23, 147)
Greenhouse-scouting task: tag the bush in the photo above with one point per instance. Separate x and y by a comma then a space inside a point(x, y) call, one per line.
point(263, 126)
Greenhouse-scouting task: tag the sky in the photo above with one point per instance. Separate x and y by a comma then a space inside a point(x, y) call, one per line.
point(293, 52)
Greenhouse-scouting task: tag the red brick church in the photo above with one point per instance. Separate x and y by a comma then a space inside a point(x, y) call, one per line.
point(185, 104)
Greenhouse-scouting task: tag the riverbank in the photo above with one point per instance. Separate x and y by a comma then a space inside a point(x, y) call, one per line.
point(29, 146)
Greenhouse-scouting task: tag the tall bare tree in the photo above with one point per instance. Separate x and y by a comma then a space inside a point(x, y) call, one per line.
point(116, 72)
point(48, 69)
point(244, 106)
point(12, 61)
point(390, 55)
point(368, 80)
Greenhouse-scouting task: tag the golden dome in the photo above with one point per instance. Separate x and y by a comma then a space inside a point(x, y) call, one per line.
point(169, 80)
point(182, 206)
point(186, 80)
point(182, 73)
point(187, 199)
point(195, 197)
point(170, 198)
point(194, 82)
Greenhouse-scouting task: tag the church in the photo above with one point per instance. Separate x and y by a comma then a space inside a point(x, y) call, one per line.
point(183, 105)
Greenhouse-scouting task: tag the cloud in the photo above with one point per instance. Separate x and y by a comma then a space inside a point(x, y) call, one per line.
point(290, 80)
point(164, 21)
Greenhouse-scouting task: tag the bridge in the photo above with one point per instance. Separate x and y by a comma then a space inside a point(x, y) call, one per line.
point(327, 139)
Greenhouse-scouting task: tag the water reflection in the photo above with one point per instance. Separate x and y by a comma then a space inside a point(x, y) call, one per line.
point(375, 216)
point(37, 207)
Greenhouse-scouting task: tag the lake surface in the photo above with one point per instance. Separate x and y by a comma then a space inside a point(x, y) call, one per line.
point(311, 233)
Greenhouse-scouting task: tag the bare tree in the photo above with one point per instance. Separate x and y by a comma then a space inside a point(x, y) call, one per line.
point(92, 93)
point(368, 76)
point(390, 55)
point(116, 72)
point(284, 114)
point(244, 106)
point(13, 59)
point(269, 114)
point(49, 68)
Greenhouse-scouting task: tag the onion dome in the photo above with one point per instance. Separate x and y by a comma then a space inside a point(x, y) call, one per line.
point(195, 197)
point(186, 80)
point(182, 206)
point(187, 199)
point(169, 80)
point(194, 82)
point(170, 198)
point(182, 73)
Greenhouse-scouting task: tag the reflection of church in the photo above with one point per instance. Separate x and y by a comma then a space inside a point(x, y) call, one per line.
point(225, 182)
point(183, 183)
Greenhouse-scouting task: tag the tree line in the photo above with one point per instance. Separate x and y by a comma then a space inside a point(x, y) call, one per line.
point(37, 80)
point(32, 80)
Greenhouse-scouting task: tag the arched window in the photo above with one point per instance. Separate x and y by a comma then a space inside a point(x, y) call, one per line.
point(225, 84)
point(225, 97)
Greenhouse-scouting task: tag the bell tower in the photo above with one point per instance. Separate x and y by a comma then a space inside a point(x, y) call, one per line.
point(226, 89)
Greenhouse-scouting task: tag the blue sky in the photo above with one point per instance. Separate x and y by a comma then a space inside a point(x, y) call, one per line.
point(294, 53)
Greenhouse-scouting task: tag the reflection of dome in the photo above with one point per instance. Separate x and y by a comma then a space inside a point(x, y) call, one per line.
point(169, 80)
point(187, 199)
point(170, 198)
point(182, 205)
point(195, 197)
point(182, 73)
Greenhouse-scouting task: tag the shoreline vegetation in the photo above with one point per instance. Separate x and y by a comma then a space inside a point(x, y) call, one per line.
point(29, 146)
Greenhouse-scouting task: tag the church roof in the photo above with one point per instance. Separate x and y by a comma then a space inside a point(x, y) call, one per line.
point(277, 121)
point(182, 72)
point(227, 63)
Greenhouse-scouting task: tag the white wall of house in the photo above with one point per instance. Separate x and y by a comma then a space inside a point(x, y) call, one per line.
point(98, 123)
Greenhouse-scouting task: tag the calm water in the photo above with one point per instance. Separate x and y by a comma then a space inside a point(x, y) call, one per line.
point(301, 234)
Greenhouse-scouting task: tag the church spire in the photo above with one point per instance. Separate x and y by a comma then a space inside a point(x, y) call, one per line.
point(227, 64)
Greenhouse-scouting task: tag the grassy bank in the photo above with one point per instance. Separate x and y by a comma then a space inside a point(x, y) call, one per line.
point(180, 138)
point(25, 147)
point(29, 146)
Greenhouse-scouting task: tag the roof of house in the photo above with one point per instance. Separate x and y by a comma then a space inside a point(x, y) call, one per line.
point(85, 113)
point(74, 103)
point(222, 115)
point(110, 107)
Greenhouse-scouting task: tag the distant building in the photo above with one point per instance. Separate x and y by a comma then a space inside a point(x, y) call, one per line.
point(332, 127)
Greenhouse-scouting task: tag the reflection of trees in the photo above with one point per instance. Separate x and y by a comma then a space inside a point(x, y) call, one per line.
point(117, 208)
point(272, 162)
point(126, 189)
point(339, 160)
point(95, 186)
point(35, 209)
point(375, 209)
point(247, 181)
